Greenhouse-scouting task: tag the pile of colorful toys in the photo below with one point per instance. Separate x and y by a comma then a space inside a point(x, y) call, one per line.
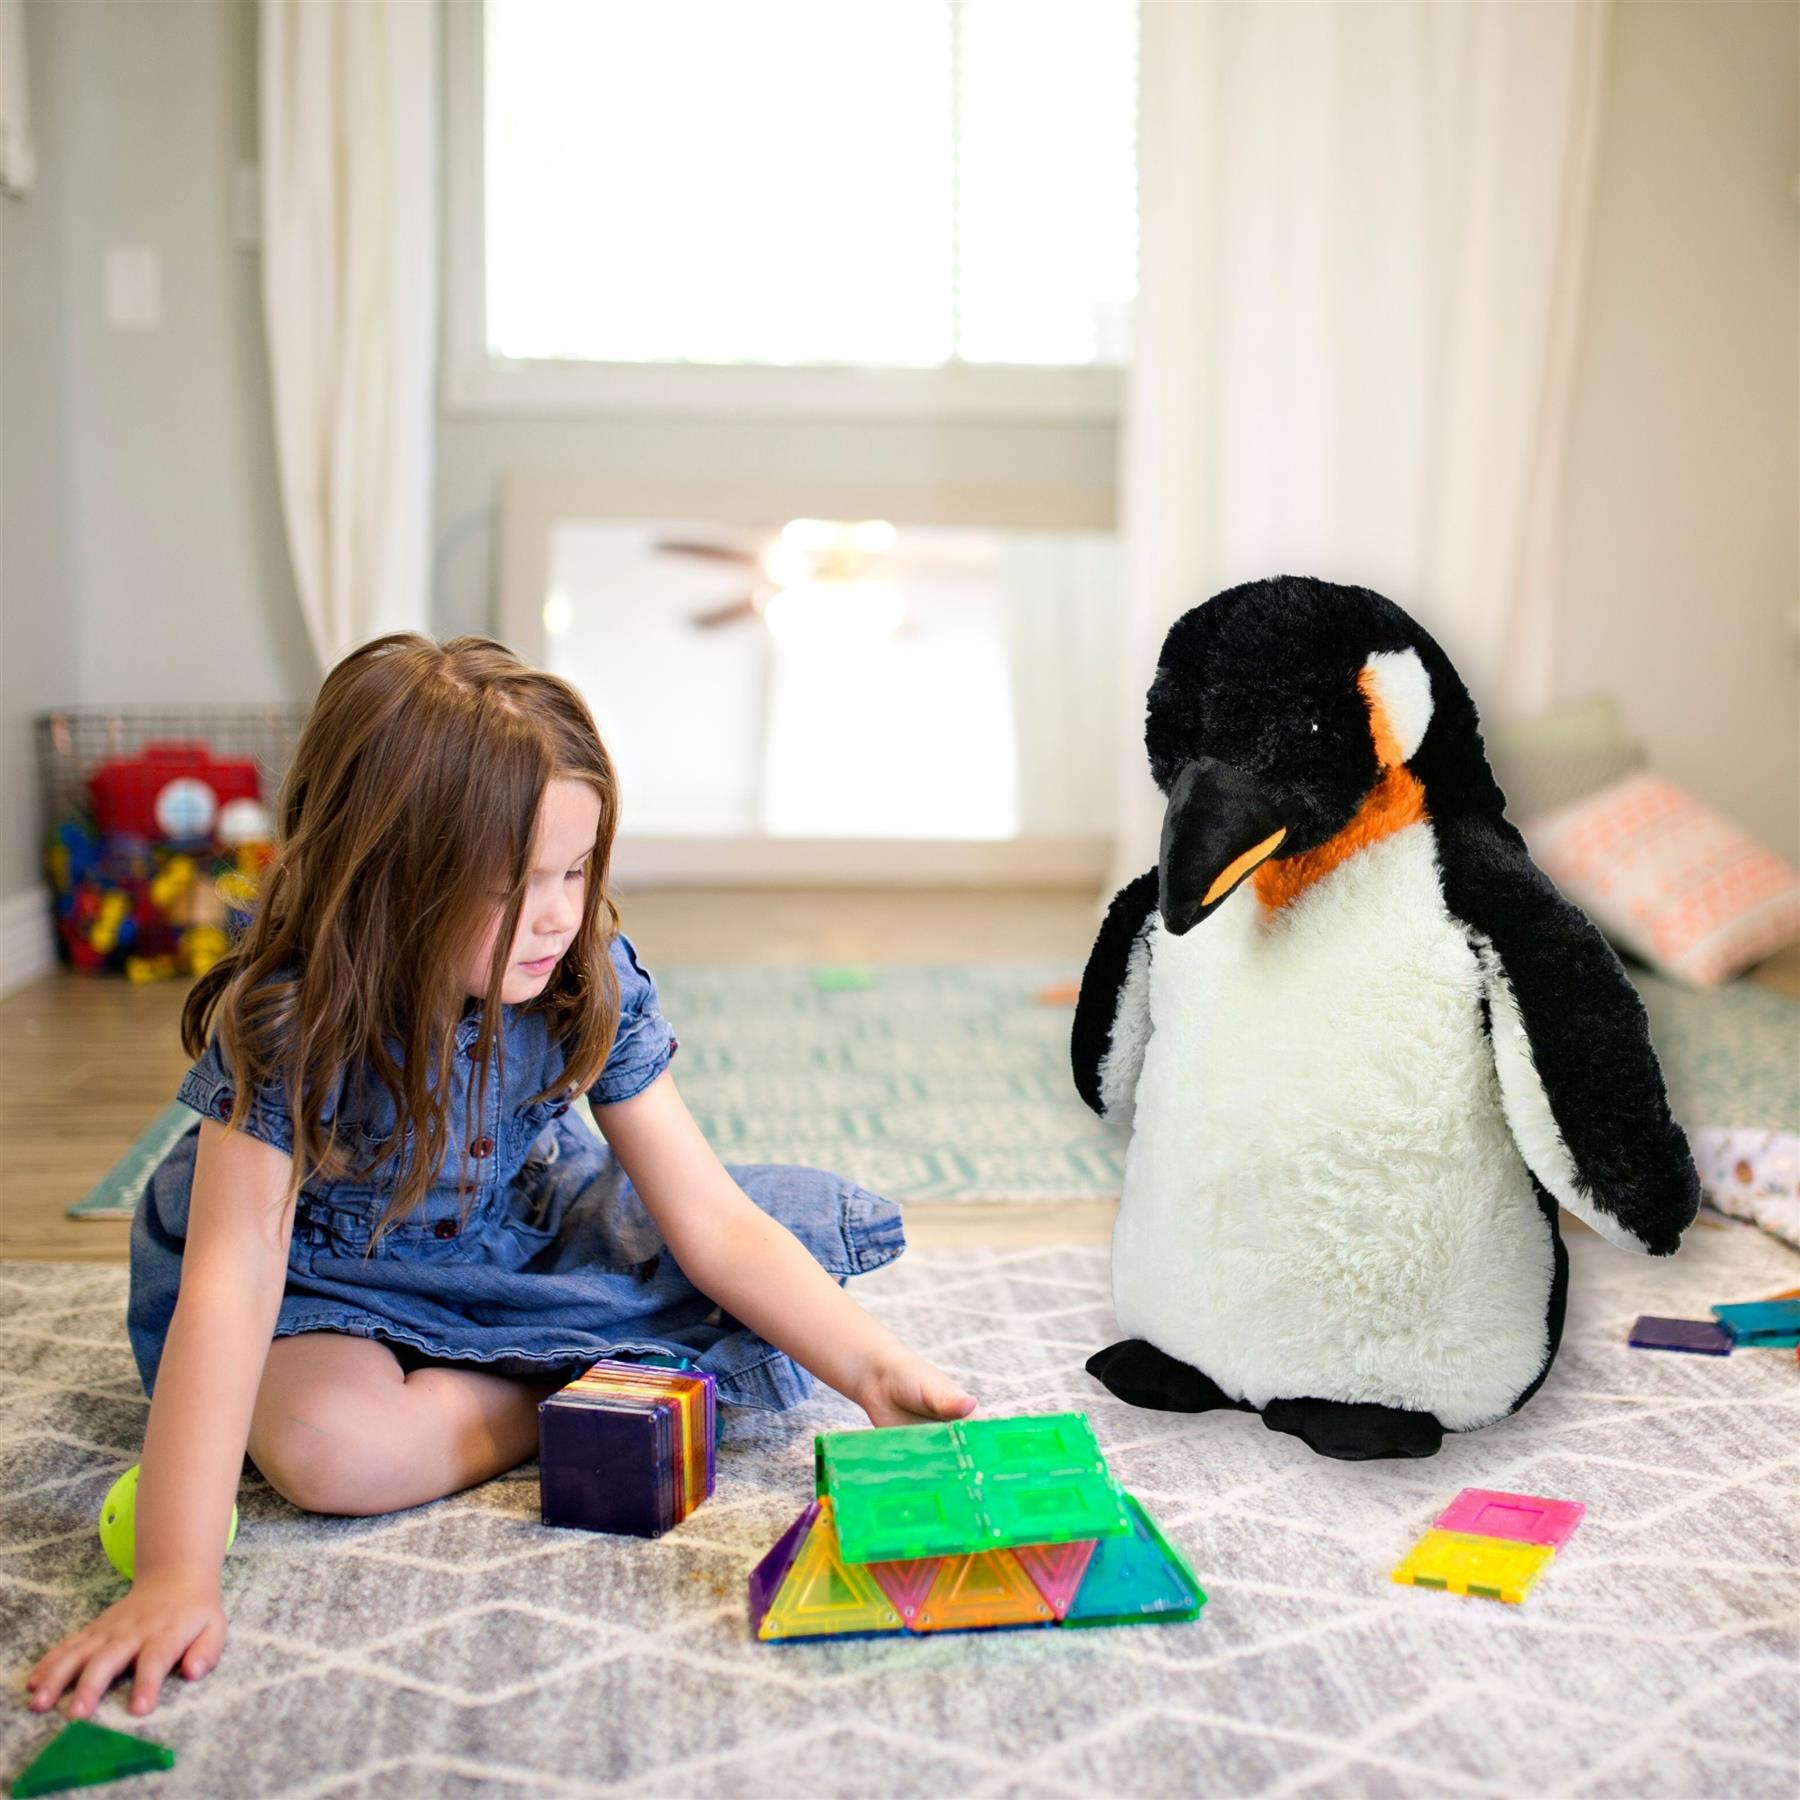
point(1771, 1324)
point(153, 881)
point(628, 1447)
point(979, 1525)
point(1490, 1544)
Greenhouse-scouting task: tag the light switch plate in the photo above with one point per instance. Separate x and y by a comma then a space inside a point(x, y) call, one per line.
point(132, 285)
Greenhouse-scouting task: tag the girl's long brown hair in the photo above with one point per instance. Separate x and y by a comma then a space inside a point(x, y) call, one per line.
point(404, 822)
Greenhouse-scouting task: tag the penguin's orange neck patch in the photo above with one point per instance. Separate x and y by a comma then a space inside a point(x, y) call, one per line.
point(1395, 802)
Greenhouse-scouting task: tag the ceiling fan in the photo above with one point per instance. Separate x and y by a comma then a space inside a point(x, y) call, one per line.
point(853, 559)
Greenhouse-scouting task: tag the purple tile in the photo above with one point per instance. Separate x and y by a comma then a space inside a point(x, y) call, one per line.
point(768, 1575)
point(607, 1465)
point(1704, 1337)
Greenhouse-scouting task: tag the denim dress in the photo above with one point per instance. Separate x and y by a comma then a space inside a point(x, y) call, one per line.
point(549, 1262)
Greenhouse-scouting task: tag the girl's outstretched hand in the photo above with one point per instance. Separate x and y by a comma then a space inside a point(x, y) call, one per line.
point(164, 1621)
point(908, 1390)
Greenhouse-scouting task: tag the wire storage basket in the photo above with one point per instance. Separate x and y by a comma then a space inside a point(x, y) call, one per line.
point(156, 822)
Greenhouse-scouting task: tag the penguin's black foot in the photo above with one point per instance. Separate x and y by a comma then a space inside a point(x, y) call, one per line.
point(1355, 1430)
point(1142, 1375)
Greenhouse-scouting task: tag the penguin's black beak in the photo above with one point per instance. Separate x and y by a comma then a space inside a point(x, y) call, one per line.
point(1220, 824)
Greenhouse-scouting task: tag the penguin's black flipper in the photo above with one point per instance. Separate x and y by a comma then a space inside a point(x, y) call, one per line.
point(1142, 1375)
point(1579, 1081)
point(1355, 1430)
point(1112, 1015)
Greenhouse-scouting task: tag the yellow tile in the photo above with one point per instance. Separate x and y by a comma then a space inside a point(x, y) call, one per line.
point(1461, 1564)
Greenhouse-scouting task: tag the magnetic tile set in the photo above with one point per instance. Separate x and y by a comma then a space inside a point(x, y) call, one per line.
point(979, 1525)
point(973, 1526)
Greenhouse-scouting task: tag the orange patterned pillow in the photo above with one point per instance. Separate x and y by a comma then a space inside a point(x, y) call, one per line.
point(1668, 878)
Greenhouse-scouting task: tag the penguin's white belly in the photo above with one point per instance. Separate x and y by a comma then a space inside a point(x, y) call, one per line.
point(1322, 1197)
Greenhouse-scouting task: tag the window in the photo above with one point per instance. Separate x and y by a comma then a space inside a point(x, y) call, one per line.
point(943, 194)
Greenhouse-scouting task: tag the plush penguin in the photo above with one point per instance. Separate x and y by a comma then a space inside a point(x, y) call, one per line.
point(1363, 1045)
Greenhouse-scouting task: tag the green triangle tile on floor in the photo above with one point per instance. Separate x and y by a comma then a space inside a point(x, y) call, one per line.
point(84, 1755)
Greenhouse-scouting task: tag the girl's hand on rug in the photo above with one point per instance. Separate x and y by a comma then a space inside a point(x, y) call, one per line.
point(908, 1390)
point(165, 1621)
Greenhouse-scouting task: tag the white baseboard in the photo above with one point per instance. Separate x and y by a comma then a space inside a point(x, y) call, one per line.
point(27, 946)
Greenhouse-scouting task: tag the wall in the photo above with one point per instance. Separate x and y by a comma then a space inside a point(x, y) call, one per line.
point(1681, 575)
point(38, 650)
point(138, 508)
point(141, 548)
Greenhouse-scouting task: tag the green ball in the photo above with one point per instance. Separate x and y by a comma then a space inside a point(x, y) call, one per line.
point(118, 1523)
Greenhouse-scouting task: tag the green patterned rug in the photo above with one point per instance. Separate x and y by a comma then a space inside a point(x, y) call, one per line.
point(944, 1081)
point(951, 1081)
point(1730, 1056)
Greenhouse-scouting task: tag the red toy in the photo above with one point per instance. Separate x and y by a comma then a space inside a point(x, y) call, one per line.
point(169, 791)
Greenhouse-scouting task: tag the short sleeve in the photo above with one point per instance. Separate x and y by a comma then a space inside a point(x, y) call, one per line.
point(210, 1089)
point(644, 1045)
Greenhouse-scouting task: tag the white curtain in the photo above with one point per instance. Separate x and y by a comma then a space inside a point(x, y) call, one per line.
point(1363, 229)
point(18, 155)
point(349, 197)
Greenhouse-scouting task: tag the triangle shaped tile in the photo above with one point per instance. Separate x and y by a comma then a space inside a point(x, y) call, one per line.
point(973, 1593)
point(1056, 1570)
point(907, 1584)
point(84, 1755)
point(1137, 1579)
point(824, 1596)
point(768, 1575)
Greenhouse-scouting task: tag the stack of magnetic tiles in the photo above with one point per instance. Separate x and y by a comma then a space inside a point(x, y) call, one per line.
point(627, 1447)
point(1490, 1544)
point(973, 1526)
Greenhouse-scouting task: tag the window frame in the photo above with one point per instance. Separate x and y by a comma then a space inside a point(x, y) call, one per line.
point(475, 383)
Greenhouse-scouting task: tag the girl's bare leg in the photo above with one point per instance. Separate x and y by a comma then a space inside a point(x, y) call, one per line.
point(341, 1427)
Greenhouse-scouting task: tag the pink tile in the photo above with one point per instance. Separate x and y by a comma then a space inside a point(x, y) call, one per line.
point(1520, 1518)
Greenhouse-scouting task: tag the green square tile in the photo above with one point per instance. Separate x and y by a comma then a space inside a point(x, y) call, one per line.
point(1052, 1509)
point(942, 1490)
point(899, 1521)
point(918, 1450)
point(1051, 1444)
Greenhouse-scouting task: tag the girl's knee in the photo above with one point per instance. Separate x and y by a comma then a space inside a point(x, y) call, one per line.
point(325, 1458)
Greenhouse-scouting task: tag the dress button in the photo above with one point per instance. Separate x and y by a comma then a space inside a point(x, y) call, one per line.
point(482, 1146)
point(444, 1228)
point(222, 1103)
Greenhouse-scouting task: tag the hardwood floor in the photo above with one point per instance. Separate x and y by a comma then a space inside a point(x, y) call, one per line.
point(86, 1062)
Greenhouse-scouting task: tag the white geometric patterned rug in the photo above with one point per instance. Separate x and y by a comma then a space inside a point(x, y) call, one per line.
point(463, 1650)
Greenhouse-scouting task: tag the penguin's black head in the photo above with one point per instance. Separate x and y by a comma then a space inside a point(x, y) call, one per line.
point(1276, 708)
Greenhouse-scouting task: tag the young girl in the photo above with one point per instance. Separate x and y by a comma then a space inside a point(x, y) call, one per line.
point(387, 1240)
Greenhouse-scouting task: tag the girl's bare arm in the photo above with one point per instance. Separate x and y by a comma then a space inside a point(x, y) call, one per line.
point(233, 1271)
point(759, 1272)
